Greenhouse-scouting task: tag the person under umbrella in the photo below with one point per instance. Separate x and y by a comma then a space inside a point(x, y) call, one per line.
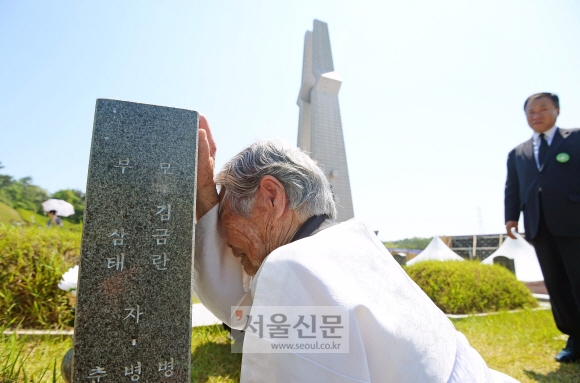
point(53, 219)
point(57, 208)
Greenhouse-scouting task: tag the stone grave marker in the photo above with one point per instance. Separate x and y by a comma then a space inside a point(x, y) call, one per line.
point(401, 259)
point(133, 314)
point(506, 262)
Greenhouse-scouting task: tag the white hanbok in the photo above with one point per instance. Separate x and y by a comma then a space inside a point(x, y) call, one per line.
point(396, 333)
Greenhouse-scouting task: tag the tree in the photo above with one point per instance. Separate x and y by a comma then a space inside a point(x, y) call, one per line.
point(21, 193)
point(415, 243)
point(5, 180)
point(24, 195)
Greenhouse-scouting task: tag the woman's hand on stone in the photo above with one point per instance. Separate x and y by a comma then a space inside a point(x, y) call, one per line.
point(207, 196)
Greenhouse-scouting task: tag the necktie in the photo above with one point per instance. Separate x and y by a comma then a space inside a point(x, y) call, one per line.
point(543, 149)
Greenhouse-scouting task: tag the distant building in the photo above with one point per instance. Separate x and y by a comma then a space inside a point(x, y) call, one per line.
point(320, 126)
point(467, 246)
point(475, 246)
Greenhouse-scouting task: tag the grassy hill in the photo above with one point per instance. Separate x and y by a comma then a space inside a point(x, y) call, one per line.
point(31, 218)
point(8, 214)
point(21, 201)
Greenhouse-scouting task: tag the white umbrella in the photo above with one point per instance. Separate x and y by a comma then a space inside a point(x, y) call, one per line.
point(62, 208)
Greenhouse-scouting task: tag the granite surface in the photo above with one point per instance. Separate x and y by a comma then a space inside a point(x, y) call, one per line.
point(66, 366)
point(133, 315)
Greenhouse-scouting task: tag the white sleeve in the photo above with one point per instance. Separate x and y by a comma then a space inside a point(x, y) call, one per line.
point(219, 280)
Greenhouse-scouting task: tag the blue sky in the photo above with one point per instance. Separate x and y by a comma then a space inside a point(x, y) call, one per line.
point(431, 99)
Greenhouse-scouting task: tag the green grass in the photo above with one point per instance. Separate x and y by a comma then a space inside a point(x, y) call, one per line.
point(211, 357)
point(34, 357)
point(8, 215)
point(522, 345)
point(34, 219)
point(32, 262)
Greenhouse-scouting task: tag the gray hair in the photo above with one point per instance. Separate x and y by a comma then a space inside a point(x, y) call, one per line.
point(307, 189)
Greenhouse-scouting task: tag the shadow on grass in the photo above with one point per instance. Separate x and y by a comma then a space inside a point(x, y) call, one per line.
point(566, 373)
point(215, 360)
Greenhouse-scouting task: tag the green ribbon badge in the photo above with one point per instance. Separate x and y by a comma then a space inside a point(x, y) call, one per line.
point(563, 157)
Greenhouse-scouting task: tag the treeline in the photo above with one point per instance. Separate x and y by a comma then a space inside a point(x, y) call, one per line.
point(414, 243)
point(22, 194)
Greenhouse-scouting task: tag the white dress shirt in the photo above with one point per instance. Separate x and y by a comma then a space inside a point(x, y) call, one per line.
point(549, 135)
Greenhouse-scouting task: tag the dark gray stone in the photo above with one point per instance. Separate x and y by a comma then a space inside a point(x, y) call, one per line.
point(133, 315)
point(66, 366)
point(506, 262)
point(401, 260)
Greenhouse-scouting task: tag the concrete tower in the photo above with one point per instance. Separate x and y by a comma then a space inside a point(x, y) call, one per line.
point(319, 126)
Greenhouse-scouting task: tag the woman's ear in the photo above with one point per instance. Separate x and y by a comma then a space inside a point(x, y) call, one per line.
point(273, 195)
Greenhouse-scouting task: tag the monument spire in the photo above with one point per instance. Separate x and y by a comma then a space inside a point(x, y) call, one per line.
point(320, 125)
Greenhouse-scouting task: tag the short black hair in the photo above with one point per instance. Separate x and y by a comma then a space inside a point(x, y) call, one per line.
point(551, 96)
point(52, 211)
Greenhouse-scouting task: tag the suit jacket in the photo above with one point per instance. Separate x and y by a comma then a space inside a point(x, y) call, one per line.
point(558, 182)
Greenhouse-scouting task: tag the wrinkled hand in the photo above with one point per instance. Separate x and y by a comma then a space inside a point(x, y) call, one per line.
point(207, 196)
point(509, 225)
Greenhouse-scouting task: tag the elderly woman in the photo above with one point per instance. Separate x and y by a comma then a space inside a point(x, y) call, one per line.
point(268, 239)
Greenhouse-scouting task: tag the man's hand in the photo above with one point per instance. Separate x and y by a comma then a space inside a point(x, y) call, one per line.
point(207, 196)
point(509, 225)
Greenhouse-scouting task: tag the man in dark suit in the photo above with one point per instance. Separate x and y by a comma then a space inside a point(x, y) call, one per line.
point(543, 181)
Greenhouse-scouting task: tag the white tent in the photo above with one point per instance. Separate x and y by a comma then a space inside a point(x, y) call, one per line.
point(524, 256)
point(437, 250)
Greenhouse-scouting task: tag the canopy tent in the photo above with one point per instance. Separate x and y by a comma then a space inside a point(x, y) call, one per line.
point(524, 256)
point(437, 250)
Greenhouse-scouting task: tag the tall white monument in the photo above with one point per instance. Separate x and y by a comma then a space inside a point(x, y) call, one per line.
point(320, 127)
